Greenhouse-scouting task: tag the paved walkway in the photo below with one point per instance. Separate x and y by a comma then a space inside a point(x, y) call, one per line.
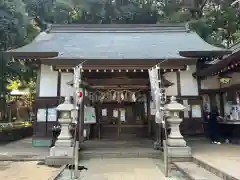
point(26, 171)
point(22, 149)
point(224, 157)
point(119, 169)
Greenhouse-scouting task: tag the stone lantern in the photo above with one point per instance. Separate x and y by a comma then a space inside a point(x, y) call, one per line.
point(176, 144)
point(65, 109)
point(62, 152)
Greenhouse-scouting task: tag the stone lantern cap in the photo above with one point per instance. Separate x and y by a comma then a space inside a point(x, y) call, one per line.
point(66, 106)
point(174, 105)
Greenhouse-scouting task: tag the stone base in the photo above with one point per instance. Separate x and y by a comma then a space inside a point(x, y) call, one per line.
point(61, 151)
point(64, 142)
point(179, 152)
point(59, 155)
point(58, 161)
point(174, 142)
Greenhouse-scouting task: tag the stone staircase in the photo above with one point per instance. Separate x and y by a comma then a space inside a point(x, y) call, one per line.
point(199, 170)
point(118, 149)
point(182, 169)
point(193, 172)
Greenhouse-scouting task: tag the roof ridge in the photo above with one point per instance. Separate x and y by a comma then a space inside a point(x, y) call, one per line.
point(116, 27)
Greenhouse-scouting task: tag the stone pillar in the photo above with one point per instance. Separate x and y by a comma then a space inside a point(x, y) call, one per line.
point(62, 152)
point(176, 144)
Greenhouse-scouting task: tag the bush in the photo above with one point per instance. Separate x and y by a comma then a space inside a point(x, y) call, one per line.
point(15, 131)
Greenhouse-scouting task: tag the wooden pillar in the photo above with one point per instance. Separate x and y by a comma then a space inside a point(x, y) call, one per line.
point(221, 104)
point(149, 114)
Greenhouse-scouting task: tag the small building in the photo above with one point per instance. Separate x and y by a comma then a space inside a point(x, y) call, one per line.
point(220, 85)
point(116, 62)
point(220, 82)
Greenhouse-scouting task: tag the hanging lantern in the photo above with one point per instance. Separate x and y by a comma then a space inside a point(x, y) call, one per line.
point(225, 79)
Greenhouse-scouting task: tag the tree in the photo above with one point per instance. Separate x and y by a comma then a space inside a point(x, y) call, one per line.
point(116, 12)
point(13, 23)
point(16, 29)
point(214, 20)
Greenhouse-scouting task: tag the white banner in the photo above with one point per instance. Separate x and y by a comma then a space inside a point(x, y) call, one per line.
point(155, 92)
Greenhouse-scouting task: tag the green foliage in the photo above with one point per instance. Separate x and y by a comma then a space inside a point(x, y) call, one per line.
point(13, 85)
point(13, 22)
point(214, 20)
point(16, 29)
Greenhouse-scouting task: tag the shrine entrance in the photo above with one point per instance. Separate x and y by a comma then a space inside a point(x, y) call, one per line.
point(122, 120)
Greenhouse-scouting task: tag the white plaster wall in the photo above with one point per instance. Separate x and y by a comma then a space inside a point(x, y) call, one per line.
point(211, 82)
point(172, 77)
point(48, 82)
point(66, 90)
point(188, 83)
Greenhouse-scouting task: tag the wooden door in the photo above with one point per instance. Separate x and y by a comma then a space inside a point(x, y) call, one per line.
point(123, 121)
point(108, 124)
point(135, 124)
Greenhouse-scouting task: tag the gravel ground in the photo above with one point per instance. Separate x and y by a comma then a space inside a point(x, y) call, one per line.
point(26, 171)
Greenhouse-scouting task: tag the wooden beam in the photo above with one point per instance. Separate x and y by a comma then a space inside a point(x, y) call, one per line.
point(129, 67)
point(102, 67)
point(117, 81)
point(118, 62)
point(122, 87)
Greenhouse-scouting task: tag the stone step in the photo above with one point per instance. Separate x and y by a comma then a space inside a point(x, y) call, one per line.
point(118, 154)
point(174, 174)
point(214, 170)
point(195, 172)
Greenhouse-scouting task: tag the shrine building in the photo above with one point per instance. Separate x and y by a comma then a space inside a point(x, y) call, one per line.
point(115, 72)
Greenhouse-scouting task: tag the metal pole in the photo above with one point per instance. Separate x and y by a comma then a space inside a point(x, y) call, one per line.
point(77, 78)
point(79, 115)
point(78, 128)
point(74, 115)
point(159, 125)
point(164, 126)
point(78, 124)
point(165, 158)
point(165, 148)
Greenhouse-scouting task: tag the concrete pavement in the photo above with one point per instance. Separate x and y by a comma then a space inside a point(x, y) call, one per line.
point(223, 159)
point(22, 150)
point(119, 169)
point(110, 168)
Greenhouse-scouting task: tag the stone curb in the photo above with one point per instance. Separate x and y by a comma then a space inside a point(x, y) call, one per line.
point(57, 173)
point(21, 158)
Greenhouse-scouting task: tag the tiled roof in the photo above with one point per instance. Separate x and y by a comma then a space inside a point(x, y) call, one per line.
point(118, 42)
point(221, 65)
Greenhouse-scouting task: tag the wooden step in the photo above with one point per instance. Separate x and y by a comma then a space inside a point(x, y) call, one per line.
point(195, 172)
